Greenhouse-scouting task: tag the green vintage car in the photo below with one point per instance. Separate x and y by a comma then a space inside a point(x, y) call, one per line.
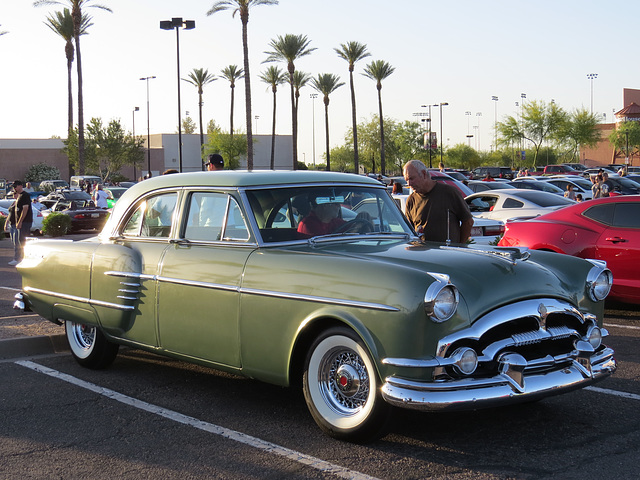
point(316, 278)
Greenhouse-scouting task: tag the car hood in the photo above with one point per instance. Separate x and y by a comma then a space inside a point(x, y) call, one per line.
point(486, 277)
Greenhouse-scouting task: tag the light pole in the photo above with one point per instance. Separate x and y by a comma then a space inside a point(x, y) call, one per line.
point(135, 109)
point(429, 137)
point(441, 137)
point(148, 129)
point(256, 117)
point(170, 25)
point(591, 77)
point(478, 115)
point(523, 96)
point(313, 97)
point(495, 122)
point(468, 114)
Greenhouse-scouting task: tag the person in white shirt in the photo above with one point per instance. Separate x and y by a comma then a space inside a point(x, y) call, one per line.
point(100, 197)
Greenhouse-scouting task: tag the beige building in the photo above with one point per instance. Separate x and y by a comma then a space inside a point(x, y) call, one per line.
point(18, 155)
point(604, 153)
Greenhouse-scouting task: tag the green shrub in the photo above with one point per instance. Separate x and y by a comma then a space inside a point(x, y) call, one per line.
point(56, 224)
point(2, 232)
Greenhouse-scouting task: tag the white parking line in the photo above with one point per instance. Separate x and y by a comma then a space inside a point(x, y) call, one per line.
point(630, 327)
point(268, 447)
point(12, 289)
point(632, 396)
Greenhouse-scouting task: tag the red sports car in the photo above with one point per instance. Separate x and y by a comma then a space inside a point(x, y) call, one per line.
point(604, 229)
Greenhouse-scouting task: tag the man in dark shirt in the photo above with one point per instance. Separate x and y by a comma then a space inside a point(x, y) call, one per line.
point(436, 210)
point(23, 217)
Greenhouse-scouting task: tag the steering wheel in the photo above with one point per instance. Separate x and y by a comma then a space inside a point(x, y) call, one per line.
point(359, 225)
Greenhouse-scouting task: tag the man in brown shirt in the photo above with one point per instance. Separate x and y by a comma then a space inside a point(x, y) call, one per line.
point(436, 210)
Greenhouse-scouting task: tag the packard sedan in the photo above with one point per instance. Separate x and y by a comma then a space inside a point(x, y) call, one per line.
point(316, 279)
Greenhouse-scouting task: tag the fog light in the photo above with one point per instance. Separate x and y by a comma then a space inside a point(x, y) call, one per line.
point(594, 337)
point(466, 360)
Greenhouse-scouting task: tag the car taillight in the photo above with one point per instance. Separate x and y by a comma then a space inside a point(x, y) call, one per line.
point(494, 230)
point(79, 215)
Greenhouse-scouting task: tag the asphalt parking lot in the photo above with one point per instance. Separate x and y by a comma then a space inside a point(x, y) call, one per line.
point(153, 417)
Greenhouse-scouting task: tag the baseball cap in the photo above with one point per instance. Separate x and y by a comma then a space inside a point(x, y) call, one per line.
point(216, 160)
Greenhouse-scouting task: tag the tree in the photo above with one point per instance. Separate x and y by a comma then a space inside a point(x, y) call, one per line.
point(326, 84)
point(232, 73)
point(273, 76)
point(539, 121)
point(188, 126)
point(462, 156)
point(377, 71)
point(199, 77)
point(242, 7)
point(579, 130)
point(77, 16)
point(300, 79)
point(353, 52)
point(108, 148)
point(288, 49)
point(61, 23)
point(626, 138)
point(40, 172)
point(231, 147)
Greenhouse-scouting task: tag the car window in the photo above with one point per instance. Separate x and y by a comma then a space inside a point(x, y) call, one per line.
point(512, 203)
point(209, 214)
point(544, 199)
point(627, 215)
point(601, 213)
point(153, 217)
point(482, 204)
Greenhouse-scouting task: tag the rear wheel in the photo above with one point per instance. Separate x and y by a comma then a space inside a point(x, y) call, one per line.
point(341, 387)
point(89, 346)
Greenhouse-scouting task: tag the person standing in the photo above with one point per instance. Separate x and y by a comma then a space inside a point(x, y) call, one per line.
point(23, 218)
point(215, 162)
point(569, 193)
point(100, 197)
point(436, 210)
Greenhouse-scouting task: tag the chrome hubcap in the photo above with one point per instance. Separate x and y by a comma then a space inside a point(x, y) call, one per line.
point(344, 381)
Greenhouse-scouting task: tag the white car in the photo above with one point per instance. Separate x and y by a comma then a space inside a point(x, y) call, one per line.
point(484, 230)
point(36, 226)
point(580, 185)
point(504, 205)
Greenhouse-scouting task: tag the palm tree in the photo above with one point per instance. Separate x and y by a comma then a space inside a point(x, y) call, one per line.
point(378, 70)
point(326, 83)
point(353, 52)
point(274, 77)
point(232, 73)
point(200, 77)
point(76, 14)
point(300, 79)
point(62, 24)
point(288, 49)
point(242, 7)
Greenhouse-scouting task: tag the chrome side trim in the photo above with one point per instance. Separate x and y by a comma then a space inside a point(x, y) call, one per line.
point(80, 299)
point(253, 291)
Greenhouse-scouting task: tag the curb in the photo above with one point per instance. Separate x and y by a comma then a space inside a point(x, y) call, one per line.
point(30, 346)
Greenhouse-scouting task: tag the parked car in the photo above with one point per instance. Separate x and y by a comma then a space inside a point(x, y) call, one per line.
point(84, 215)
point(114, 193)
point(580, 185)
point(77, 181)
point(58, 195)
point(542, 186)
point(212, 269)
point(604, 229)
point(485, 231)
point(505, 205)
point(480, 186)
point(496, 172)
point(563, 169)
point(576, 166)
point(36, 225)
point(49, 186)
point(623, 186)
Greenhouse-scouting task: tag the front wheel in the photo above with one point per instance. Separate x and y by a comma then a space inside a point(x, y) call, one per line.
point(89, 346)
point(341, 387)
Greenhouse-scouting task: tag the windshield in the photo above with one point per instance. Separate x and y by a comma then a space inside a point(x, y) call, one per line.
point(288, 214)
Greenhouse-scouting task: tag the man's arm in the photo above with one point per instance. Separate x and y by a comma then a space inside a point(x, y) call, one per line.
point(22, 216)
point(465, 230)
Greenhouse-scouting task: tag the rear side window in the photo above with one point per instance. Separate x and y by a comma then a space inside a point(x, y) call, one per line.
point(627, 215)
point(601, 213)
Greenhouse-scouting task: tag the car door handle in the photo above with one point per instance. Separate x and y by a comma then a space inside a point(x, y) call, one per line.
point(615, 240)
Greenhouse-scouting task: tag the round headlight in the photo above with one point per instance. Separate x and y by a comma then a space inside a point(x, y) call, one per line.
point(599, 283)
point(446, 303)
point(594, 337)
point(466, 360)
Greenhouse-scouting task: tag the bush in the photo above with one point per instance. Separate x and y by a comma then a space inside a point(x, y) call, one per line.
point(56, 224)
point(40, 172)
point(2, 232)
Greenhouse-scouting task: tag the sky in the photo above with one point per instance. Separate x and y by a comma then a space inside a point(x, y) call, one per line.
point(462, 52)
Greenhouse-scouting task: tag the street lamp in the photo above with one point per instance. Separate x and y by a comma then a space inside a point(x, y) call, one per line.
point(468, 114)
point(148, 130)
point(170, 25)
point(429, 137)
point(256, 117)
point(478, 115)
point(313, 97)
point(495, 121)
point(591, 77)
point(135, 109)
point(441, 137)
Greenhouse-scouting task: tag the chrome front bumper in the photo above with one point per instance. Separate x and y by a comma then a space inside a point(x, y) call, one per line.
point(513, 384)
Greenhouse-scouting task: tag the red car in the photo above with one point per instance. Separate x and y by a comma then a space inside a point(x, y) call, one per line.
point(603, 229)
